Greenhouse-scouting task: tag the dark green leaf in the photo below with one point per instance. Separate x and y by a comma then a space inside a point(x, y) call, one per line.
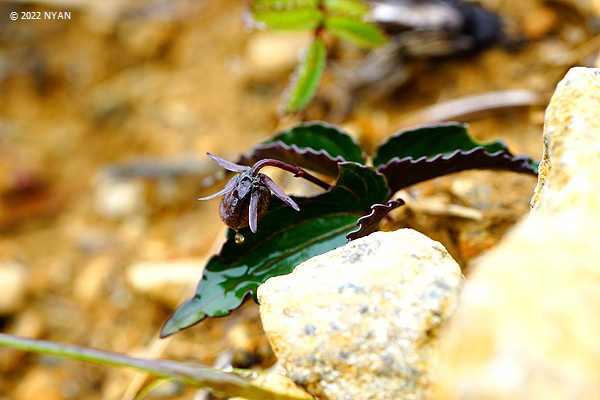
point(429, 141)
point(315, 145)
point(284, 239)
point(287, 14)
point(307, 76)
point(355, 30)
point(423, 153)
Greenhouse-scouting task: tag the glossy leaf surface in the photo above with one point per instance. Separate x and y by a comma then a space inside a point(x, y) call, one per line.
point(429, 141)
point(423, 153)
point(285, 238)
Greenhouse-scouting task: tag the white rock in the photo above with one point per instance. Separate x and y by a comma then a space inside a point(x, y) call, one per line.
point(528, 320)
point(571, 160)
point(13, 280)
point(116, 198)
point(165, 281)
point(361, 321)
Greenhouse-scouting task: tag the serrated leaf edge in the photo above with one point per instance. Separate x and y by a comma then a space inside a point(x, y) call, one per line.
point(446, 156)
point(521, 163)
point(390, 205)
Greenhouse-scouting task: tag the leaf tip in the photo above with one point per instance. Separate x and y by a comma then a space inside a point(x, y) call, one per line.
point(184, 316)
point(167, 330)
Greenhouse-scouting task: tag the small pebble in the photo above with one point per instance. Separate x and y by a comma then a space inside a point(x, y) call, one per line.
point(540, 23)
point(90, 279)
point(275, 53)
point(117, 198)
point(12, 287)
point(165, 281)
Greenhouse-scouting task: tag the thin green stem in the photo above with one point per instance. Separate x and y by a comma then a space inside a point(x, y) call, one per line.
point(221, 383)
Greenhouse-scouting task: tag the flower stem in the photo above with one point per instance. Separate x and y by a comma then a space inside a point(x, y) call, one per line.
point(296, 170)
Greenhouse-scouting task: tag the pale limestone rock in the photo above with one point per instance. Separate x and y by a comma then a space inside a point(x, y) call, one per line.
point(361, 321)
point(528, 320)
point(571, 160)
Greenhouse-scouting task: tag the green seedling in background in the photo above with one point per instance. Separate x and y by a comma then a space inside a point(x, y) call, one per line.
point(344, 19)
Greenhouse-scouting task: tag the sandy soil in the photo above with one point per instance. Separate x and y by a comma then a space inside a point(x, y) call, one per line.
point(163, 83)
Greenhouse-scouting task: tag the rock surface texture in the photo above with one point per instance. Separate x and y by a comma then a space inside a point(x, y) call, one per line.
point(361, 321)
point(528, 320)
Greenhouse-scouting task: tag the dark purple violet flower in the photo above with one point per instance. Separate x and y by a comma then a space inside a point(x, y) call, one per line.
point(247, 195)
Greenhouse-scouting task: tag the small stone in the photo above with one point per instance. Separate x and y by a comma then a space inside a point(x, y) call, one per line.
point(39, 382)
point(12, 287)
point(164, 281)
point(241, 339)
point(90, 279)
point(116, 197)
point(29, 324)
point(361, 321)
point(274, 53)
point(540, 23)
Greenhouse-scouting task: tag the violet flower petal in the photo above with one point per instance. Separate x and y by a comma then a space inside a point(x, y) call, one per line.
point(278, 192)
point(253, 210)
point(228, 165)
point(228, 188)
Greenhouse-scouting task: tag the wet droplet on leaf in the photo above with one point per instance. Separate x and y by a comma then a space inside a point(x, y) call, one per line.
point(239, 238)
